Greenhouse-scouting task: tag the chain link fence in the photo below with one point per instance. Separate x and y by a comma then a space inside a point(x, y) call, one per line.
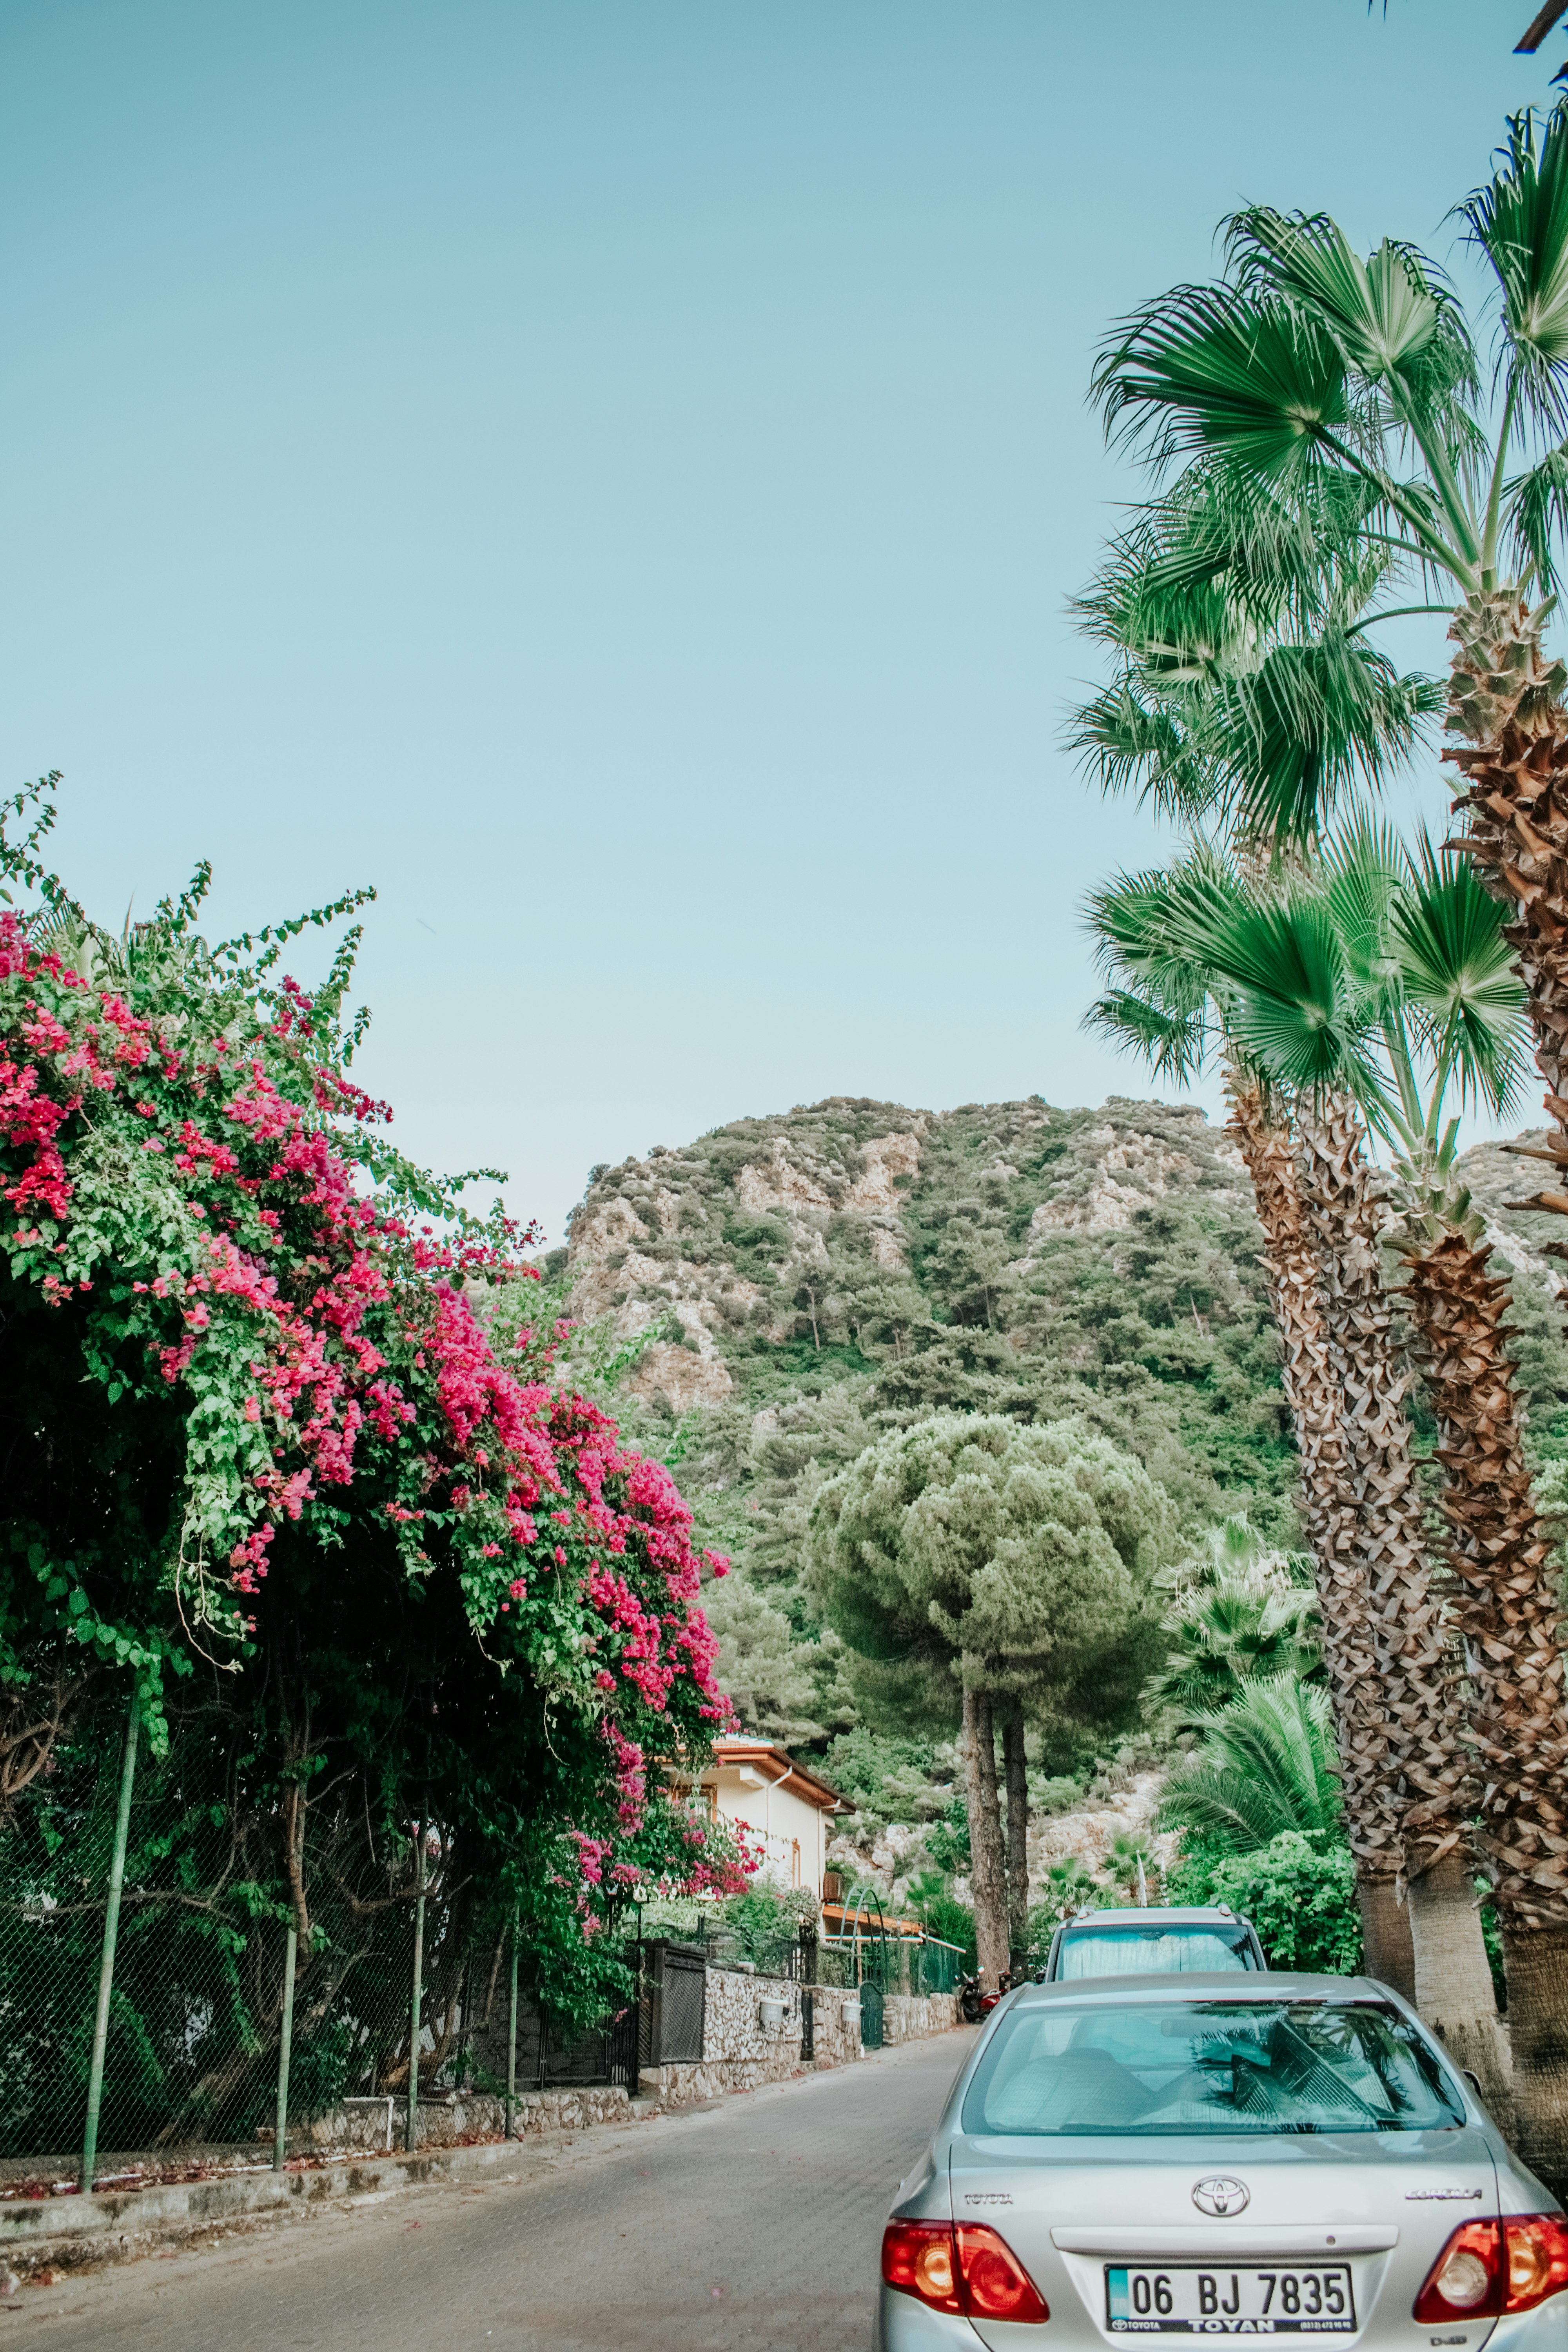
point(160, 2011)
point(150, 2018)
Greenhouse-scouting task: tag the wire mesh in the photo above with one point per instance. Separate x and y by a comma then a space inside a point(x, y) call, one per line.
point(197, 2002)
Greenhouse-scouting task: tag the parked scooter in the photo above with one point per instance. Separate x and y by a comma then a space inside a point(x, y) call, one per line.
point(973, 2004)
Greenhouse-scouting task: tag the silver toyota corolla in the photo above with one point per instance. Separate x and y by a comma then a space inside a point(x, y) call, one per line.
point(1218, 2155)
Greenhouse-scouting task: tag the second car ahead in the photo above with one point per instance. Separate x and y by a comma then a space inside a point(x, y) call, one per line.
point(1230, 2154)
point(1155, 1939)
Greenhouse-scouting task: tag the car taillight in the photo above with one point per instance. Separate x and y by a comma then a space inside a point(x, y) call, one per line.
point(1537, 2259)
point(1488, 2268)
point(1466, 2280)
point(918, 2259)
point(994, 2283)
point(968, 2269)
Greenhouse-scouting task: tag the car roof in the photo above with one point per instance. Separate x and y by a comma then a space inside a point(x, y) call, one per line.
point(1202, 1984)
point(1156, 1914)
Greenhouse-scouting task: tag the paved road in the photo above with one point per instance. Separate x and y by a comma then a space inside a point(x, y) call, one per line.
point(755, 2224)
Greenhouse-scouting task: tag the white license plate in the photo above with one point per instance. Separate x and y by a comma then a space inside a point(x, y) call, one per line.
point(1276, 2299)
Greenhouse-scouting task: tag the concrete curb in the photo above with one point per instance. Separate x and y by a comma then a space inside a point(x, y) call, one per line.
point(37, 2234)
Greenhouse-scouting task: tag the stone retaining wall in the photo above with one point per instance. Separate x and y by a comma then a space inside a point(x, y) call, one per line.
point(363, 2123)
point(910, 2017)
point(753, 2033)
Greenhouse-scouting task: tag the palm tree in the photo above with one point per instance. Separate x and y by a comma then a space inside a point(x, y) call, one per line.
point(1070, 1886)
point(1332, 413)
point(1172, 1006)
point(1383, 967)
point(1266, 1765)
point(1329, 406)
point(1243, 1615)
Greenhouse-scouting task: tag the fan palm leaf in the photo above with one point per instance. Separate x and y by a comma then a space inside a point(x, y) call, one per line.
point(1263, 1767)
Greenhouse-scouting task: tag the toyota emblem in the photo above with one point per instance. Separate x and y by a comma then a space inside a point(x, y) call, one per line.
point(1220, 2195)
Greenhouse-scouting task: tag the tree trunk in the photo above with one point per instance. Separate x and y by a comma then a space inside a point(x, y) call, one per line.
point(987, 1869)
point(1016, 1773)
point(1296, 1250)
point(1306, 1369)
point(1454, 1990)
point(1412, 1775)
point(1505, 705)
point(1536, 1962)
point(1388, 1951)
point(1506, 1600)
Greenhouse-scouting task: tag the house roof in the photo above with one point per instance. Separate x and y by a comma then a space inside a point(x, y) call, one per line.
point(785, 1772)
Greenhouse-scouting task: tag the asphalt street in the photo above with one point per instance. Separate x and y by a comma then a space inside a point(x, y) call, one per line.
point(756, 2223)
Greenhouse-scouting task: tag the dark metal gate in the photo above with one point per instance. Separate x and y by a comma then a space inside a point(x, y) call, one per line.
point(675, 2004)
point(871, 2014)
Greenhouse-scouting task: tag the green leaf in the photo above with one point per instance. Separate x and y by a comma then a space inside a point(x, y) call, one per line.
point(1381, 313)
point(1519, 221)
point(1205, 370)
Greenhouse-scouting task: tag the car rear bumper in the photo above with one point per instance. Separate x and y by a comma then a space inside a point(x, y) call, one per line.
point(1544, 2329)
point(906, 2325)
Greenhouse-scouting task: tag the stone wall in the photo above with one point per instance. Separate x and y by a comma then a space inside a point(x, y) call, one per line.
point(752, 2033)
point(909, 2017)
point(364, 2124)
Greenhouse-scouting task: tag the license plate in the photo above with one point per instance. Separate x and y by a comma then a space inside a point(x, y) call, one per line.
point(1147, 2299)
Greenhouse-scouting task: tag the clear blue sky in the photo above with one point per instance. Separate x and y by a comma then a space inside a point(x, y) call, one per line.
point(610, 472)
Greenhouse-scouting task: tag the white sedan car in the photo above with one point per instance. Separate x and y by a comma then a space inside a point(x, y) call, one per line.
point(1224, 2155)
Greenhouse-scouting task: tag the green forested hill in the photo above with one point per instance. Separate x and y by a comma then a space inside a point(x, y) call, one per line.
point(801, 1283)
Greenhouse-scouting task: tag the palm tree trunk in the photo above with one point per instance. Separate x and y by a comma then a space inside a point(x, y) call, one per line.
point(1536, 1962)
point(1313, 1392)
point(1017, 1774)
point(1454, 1990)
point(1505, 705)
point(1413, 1771)
point(1506, 1610)
point(987, 1869)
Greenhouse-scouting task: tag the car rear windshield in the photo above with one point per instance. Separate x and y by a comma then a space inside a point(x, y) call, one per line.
point(1139, 1951)
point(1154, 2067)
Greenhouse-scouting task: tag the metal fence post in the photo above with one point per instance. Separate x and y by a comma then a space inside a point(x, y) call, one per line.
point(110, 1937)
point(512, 2044)
point(284, 2046)
point(412, 2136)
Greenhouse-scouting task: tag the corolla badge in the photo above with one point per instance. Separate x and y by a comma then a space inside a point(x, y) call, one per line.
point(1220, 2195)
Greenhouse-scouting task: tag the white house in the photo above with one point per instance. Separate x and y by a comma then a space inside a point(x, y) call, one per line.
point(783, 1807)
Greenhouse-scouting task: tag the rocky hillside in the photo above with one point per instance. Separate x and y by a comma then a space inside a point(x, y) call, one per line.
point(772, 1297)
point(799, 1283)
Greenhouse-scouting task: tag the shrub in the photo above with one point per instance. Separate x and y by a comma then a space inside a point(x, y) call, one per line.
point(1298, 1891)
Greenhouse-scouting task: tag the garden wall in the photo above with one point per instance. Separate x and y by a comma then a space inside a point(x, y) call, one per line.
point(752, 2033)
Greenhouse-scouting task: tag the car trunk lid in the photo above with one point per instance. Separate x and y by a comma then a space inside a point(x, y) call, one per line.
point(1383, 2203)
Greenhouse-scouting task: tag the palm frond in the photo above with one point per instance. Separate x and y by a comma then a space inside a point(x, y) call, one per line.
point(1203, 370)
point(1536, 505)
point(1316, 722)
point(1264, 1766)
point(1364, 867)
point(1295, 1011)
point(1381, 313)
point(1129, 740)
point(1172, 1044)
point(1519, 221)
point(1456, 973)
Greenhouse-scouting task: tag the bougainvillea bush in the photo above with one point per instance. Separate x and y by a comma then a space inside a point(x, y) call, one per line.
point(263, 1461)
